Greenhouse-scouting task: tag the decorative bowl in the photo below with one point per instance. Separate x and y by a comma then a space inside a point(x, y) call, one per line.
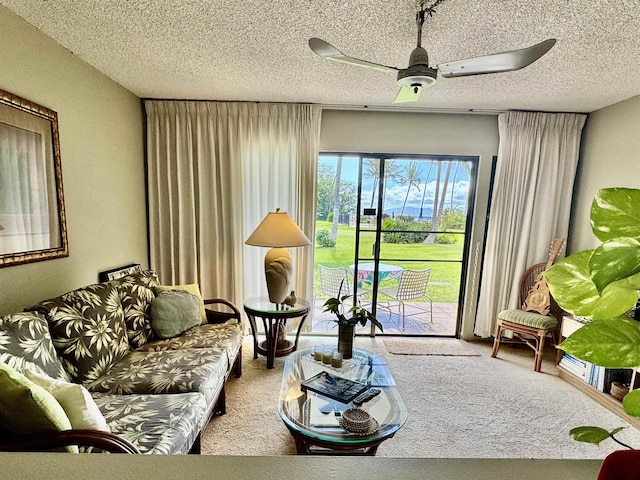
point(618, 390)
point(355, 420)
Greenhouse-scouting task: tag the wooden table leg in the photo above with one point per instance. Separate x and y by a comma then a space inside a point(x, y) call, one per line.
point(271, 331)
point(254, 332)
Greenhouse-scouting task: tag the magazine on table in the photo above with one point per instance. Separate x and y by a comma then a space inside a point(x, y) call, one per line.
point(333, 386)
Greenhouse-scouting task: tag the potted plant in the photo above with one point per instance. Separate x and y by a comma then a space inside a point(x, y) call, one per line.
point(348, 320)
point(603, 284)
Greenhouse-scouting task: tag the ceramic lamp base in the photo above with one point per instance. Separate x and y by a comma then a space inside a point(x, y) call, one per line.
point(278, 268)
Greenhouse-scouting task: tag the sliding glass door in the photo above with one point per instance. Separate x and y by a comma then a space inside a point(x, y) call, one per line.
point(397, 227)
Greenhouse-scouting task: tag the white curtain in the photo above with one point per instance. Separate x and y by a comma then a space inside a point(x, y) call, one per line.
point(215, 169)
point(537, 160)
point(28, 210)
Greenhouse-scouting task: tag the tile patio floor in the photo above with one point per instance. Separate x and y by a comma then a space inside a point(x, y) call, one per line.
point(417, 320)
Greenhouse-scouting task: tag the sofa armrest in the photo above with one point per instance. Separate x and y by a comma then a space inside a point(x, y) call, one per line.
point(105, 441)
point(225, 311)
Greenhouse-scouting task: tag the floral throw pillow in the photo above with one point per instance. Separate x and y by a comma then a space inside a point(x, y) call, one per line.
point(88, 330)
point(25, 336)
point(136, 293)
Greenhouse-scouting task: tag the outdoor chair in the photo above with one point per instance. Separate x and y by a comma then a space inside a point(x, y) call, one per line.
point(532, 323)
point(412, 285)
point(330, 280)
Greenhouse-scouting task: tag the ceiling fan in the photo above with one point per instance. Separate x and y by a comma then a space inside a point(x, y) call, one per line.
point(419, 74)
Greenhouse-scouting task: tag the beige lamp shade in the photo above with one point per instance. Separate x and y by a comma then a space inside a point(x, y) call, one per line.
point(278, 230)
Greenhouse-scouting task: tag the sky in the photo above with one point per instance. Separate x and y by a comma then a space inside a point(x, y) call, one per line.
point(396, 190)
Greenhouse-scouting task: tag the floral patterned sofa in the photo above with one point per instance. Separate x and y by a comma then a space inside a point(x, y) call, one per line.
point(156, 395)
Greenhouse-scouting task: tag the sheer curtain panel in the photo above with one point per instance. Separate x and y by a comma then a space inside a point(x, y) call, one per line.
point(537, 160)
point(27, 183)
point(215, 169)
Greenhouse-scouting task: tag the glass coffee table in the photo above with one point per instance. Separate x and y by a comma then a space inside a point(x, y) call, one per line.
point(314, 420)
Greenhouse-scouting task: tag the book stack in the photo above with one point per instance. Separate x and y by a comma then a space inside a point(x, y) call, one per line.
point(574, 365)
point(594, 375)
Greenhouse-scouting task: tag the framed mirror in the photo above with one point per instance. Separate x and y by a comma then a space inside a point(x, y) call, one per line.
point(32, 217)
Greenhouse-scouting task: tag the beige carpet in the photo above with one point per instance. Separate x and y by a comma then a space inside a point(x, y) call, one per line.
point(458, 407)
point(430, 346)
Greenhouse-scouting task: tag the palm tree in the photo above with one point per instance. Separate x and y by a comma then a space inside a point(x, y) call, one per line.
point(437, 216)
point(372, 170)
point(424, 192)
point(412, 178)
point(466, 166)
point(391, 172)
point(453, 186)
point(436, 195)
point(336, 200)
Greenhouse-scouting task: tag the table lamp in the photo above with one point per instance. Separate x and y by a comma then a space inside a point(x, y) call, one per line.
point(279, 231)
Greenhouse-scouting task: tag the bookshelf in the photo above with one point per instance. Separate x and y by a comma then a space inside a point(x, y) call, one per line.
point(581, 381)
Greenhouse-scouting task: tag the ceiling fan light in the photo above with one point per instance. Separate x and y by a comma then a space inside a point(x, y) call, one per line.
point(424, 78)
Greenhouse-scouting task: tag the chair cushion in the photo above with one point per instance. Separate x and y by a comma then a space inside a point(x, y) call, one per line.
point(224, 337)
point(530, 319)
point(172, 371)
point(164, 424)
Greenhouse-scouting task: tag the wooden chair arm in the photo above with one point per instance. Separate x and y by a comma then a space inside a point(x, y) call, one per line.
point(106, 441)
point(217, 316)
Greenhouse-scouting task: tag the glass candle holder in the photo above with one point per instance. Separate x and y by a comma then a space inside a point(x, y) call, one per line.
point(336, 359)
point(317, 353)
point(327, 355)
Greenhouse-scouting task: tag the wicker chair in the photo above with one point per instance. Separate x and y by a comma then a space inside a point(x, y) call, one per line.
point(530, 327)
point(412, 284)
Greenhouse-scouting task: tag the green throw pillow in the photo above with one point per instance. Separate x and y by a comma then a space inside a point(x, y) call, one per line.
point(27, 408)
point(193, 288)
point(173, 312)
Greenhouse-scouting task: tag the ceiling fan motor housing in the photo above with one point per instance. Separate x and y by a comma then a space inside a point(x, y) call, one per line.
point(419, 73)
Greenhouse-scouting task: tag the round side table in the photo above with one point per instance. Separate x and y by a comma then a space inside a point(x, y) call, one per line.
point(274, 319)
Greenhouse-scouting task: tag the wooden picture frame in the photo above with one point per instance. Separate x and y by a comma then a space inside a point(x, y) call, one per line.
point(32, 215)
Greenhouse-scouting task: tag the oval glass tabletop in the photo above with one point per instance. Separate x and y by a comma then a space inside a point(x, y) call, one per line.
point(319, 417)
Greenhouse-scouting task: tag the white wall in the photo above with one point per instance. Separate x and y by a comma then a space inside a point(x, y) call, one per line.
point(610, 157)
point(101, 143)
point(423, 133)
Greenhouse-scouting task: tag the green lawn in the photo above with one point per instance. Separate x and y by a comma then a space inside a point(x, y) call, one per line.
point(444, 282)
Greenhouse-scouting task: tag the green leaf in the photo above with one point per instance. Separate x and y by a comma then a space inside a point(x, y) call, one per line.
point(613, 343)
point(631, 403)
point(615, 212)
point(357, 314)
point(589, 434)
point(570, 282)
point(614, 260)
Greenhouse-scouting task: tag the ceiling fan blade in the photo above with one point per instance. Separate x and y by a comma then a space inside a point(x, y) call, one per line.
point(408, 94)
point(330, 52)
point(498, 62)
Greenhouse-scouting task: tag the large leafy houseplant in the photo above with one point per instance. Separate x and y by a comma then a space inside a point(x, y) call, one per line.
point(603, 284)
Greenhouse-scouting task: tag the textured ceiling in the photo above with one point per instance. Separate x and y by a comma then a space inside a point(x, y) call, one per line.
point(257, 50)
